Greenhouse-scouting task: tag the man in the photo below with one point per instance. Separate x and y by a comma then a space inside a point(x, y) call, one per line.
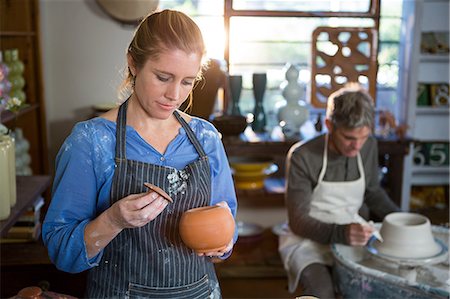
point(329, 178)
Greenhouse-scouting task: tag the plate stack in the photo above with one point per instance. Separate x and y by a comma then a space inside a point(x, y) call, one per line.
point(250, 172)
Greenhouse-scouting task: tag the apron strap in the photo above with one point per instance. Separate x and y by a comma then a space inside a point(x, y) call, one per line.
point(121, 129)
point(324, 160)
point(190, 134)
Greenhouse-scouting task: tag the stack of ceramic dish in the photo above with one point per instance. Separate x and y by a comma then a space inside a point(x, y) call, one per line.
point(250, 172)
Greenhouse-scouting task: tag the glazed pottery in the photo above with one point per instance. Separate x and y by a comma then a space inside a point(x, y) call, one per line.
point(294, 114)
point(235, 83)
point(407, 235)
point(230, 125)
point(249, 172)
point(249, 180)
point(207, 229)
point(249, 164)
point(259, 116)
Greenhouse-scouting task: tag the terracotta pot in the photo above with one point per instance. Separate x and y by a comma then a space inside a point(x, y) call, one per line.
point(207, 229)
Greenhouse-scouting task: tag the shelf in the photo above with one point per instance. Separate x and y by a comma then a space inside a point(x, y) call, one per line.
point(434, 57)
point(416, 169)
point(425, 110)
point(17, 34)
point(7, 116)
point(28, 190)
point(272, 195)
point(430, 175)
point(431, 124)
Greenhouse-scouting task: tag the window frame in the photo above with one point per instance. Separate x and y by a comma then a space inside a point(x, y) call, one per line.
point(372, 13)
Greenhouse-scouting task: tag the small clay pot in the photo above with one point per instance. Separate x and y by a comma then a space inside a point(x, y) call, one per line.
point(207, 229)
point(29, 293)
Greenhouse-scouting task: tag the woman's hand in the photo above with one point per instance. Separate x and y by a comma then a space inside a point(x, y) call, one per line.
point(220, 252)
point(358, 234)
point(136, 210)
point(230, 244)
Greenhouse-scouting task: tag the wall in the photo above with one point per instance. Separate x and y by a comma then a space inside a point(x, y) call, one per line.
point(83, 55)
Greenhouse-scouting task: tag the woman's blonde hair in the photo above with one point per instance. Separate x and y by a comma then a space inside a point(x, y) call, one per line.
point(158, 32)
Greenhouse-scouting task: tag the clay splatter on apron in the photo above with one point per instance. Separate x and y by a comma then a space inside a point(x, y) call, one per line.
point(178, 181)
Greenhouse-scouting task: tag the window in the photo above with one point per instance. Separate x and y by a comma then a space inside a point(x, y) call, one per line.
point(265, 35)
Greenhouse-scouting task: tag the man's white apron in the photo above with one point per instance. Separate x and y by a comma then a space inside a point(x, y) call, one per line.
point(332, 202)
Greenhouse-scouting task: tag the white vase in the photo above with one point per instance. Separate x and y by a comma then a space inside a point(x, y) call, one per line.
point(295, 113)
point(23, 158)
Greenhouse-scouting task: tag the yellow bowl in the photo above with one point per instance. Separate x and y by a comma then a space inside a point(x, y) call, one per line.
point(249, 182)
point(249, 164)
point(253, 185)
point(253, 179)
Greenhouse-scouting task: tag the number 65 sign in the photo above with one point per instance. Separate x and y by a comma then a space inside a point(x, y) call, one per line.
point(431, 153)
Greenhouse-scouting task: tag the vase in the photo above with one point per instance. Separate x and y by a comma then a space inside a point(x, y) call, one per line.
point(259, 88)
point(5, 84)
point(8, 144)
point(15, 76)
point(23, 158)
point(294, 114)
point(5, 183)
point(207, 229)
point(235, 84)
point(5, 206)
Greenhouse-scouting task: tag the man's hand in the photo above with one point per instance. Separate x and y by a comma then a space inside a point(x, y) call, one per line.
point(358, 234)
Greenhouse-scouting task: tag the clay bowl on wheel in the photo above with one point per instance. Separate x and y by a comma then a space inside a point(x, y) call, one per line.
point(230, 125)
point(407, 235)
point(207, 229)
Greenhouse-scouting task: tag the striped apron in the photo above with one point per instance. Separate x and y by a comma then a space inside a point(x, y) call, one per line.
point(151, 261)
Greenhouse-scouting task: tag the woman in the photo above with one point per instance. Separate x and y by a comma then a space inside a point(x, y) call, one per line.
point(101, 216)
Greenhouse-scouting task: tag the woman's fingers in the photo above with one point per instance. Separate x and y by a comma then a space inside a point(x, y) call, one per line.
point(137, 210)
point(220, 252)
point(153, 209)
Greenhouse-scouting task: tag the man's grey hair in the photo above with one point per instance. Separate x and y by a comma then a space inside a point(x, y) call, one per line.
point(351, 107)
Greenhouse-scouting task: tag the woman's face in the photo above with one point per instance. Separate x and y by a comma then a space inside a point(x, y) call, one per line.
point(163, 84)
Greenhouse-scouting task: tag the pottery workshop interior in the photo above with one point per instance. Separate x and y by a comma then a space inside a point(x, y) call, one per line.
point(224, 149)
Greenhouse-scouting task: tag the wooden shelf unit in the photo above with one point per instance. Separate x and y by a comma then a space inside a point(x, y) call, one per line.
point(29, 188)
point(427, 124)
point(19, 29)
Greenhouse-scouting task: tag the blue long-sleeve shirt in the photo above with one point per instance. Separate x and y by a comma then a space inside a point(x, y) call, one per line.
point(84, 174)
